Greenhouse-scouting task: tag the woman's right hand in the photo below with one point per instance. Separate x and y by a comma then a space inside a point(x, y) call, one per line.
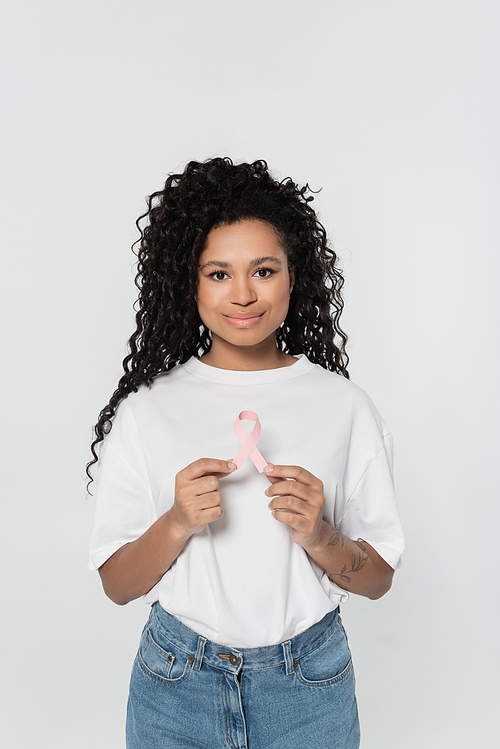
point(197, 499)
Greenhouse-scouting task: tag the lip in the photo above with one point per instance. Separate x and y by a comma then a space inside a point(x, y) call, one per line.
point(247, 321)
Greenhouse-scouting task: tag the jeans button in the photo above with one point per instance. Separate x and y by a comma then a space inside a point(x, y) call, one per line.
point(233, 659)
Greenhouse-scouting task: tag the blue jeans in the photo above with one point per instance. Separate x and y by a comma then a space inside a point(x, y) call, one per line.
point(188, 692)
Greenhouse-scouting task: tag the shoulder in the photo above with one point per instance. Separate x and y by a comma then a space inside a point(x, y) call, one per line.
point(147, 394)
point(340, 394)
point(332, 381)
point(140, 407)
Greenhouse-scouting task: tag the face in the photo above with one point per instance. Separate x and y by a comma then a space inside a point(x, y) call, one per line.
point(244, 284)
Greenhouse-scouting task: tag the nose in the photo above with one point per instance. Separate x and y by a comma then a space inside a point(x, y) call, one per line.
point(243, 292)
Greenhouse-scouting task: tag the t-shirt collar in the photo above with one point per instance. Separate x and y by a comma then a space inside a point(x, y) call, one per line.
point(255, 377)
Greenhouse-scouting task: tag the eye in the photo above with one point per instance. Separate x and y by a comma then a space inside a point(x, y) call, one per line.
point(217, 273)
point(268, 271)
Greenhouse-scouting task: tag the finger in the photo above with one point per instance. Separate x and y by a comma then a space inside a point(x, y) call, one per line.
point(190, 493)
point(206, 515)
point(209, 501)
point(214, 513)
point(233, 468)
point(274, 479)
point(195, 507)
point(292, 519)
point(290, 504)
point(204, 466)
point(293, 472)
point(204, 485)
point(293, 488)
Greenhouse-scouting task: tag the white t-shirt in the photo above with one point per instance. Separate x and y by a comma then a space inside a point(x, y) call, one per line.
point(242, 582)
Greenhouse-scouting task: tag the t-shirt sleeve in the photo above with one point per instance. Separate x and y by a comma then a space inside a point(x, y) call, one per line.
point(124, 507)
point(371, 511)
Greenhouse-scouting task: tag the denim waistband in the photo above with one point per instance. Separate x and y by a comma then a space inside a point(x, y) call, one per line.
point(200, 649)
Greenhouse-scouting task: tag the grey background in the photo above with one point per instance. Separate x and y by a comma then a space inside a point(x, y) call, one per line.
point(392, 108)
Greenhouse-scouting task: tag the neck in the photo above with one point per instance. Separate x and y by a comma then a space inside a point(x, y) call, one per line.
point(265, 355)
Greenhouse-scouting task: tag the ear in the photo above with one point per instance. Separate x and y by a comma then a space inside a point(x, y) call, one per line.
point(291, 275)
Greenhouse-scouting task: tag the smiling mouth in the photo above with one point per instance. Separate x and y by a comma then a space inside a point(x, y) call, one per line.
point(243, 322)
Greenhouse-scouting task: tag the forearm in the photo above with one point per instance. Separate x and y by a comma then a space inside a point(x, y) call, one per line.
point(137, 566)
point(352, 565)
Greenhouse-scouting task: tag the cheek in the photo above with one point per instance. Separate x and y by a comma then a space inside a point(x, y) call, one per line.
point(202, 297)
point(206, 301)
point(284, 296)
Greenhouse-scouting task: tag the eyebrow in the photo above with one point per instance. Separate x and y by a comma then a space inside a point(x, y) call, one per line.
point(257, 261)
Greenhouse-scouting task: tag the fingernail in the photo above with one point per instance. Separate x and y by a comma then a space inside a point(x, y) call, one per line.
point(267, 491)
point(269, 468)
point(232, 466)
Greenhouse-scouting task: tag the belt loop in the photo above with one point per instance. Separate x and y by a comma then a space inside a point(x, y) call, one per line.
point(200, 650)
point(287, 650)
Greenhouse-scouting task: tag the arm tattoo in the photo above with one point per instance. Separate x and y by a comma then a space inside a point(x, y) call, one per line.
point(357, 561)
point(335, 538)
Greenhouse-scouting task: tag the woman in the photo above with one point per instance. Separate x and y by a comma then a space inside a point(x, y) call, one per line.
point(245, 542)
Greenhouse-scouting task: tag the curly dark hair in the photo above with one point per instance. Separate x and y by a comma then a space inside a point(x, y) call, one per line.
point(207, 195)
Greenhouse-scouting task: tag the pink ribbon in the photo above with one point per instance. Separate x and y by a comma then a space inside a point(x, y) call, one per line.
point(249, 441)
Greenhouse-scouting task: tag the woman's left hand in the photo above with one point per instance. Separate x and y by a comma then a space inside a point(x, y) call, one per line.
point(297, 503)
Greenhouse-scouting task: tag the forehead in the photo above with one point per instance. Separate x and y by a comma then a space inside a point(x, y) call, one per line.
point(243, 239)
